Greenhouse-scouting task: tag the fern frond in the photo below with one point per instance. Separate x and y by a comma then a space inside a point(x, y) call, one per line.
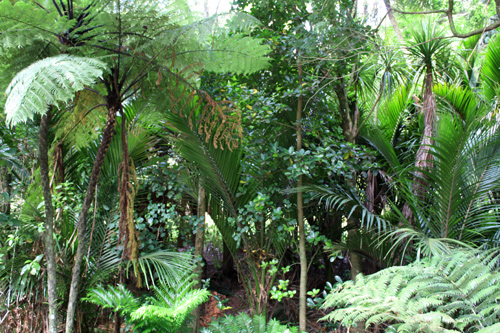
point(450, 293)
point(238, 54)
point(22, 23)
point(117, 298)
point(48, 82)
point(244, 323)
point(82, 124)
point(170, 307)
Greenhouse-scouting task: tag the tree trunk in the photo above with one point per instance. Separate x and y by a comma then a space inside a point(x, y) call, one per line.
point(199, 246)
point(300, 217)
point(423, 159)
point(82, 219)
point(394, 23)
point(5, 187)
point(50, 253)
point(227, 261)
point(350, 130)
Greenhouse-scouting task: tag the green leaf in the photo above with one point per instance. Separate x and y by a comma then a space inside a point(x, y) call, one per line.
point(48, 82)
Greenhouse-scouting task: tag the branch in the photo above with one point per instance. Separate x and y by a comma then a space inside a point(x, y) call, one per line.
point(451, 22)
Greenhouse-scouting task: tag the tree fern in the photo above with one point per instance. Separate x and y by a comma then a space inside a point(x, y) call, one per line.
point(244, 323)
point(450, 293)
point(22, 23)
point(47, 82)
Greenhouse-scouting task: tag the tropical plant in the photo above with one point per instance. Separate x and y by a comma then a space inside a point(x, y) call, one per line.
point(166, 311)
point(155, 39)
point(457, 292)
point(37, 89)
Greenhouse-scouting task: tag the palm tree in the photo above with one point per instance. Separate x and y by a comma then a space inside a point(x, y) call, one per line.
point(426, 47)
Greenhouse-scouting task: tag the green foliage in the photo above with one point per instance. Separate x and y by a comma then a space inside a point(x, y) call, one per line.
point(48, 82)
point(452, 293)
point(427, 43)
point(117, 298)
point(244, 323)
point(237, 53)
point(490, 71)
point(166, 311)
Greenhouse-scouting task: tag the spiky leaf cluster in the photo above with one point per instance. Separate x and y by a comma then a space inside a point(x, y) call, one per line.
point(452, 293)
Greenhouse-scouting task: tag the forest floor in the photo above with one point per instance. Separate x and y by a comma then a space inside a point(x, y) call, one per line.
point(229, 297)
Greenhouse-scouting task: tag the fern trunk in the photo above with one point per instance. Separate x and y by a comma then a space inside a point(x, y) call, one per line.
point(82, 219)
point(50, 253)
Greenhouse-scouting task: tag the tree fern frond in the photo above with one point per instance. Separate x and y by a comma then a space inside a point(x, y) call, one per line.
point(240, 21)
point(21, 23)
point(244, 323)
point(48, 82)
point(237, 53)
point(444, 293)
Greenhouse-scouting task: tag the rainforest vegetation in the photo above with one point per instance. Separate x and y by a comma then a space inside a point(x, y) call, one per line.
point(287, 166)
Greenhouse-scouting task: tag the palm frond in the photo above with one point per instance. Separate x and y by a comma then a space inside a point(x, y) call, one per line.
point(490, 71)
point(349, 203)
point(165, 266)
point(458, 100)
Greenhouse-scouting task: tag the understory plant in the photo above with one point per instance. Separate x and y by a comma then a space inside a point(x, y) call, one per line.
point(167, 311)
point(456, 292)
point(244, 323)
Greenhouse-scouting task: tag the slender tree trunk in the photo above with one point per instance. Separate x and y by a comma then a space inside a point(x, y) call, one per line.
point(5, 187)
point(50, 253)
point(394, 23)
point(227, 261)
point(350, 129)
point(300, 217)
point(82, 219)
point(199, 246)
